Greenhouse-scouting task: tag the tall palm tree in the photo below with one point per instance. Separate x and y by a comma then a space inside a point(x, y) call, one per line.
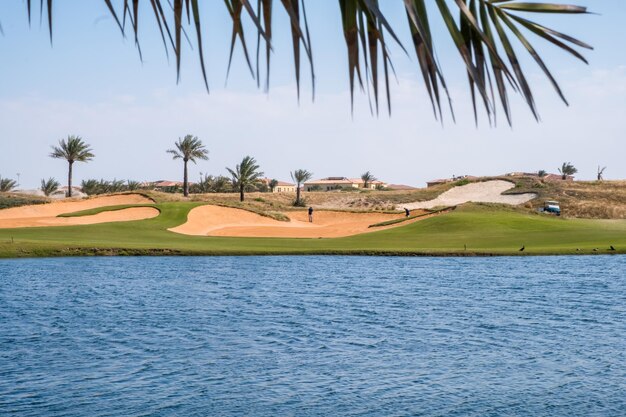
point(567, 169)
point(188, 149)
point(367, 178)
point(74, 149)
point(245, 174)
point(300, 176)
point(487, 34)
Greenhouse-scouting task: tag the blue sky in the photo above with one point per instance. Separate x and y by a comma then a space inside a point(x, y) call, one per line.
point(92, 83)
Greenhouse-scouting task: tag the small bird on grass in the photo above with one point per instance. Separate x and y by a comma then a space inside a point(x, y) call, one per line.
point(612, 248)
point(522, 248)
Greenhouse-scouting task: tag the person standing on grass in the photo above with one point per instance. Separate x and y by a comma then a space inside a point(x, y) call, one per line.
point(407, 212)
point(310, 214)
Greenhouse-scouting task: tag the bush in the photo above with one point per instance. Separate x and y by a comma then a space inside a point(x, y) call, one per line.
point(12, 200)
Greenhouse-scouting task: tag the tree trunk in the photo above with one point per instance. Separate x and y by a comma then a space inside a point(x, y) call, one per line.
point(185, 181)
point(241, 192)
point(69, 180)
point(298, 195)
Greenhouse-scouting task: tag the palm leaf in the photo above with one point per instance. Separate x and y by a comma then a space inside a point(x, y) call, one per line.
point(481, 31)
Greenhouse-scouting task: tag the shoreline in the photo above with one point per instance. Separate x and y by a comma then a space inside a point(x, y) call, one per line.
point(129, 252)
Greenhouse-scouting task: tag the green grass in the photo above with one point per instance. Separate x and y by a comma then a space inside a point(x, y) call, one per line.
point(483, 230)
point(97, 210)
point(405, 219)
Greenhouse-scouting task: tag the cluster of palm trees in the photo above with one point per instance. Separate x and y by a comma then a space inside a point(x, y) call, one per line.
point(245, 175)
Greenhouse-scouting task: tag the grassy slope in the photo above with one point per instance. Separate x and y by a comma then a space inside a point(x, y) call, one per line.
point(98, 210)
point(485, 230)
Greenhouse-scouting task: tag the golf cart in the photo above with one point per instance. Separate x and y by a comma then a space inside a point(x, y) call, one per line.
point(552, 207)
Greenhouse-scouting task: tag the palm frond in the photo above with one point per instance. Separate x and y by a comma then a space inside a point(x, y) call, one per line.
point(189, 148)
point(487, 34)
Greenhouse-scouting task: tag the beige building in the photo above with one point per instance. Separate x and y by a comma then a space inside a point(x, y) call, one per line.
point(285, 187)
point(281, 187)
point(341, 183)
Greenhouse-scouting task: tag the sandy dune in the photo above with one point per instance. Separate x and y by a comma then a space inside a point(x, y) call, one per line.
point(46, 214)
point(224, 221)
point(478, 192)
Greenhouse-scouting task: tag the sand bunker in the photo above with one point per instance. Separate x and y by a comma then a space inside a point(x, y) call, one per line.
point(46, 214)
point(224, 221)
point(478, 192)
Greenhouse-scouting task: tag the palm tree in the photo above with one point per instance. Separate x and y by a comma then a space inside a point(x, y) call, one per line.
point(188, 149)
point(221, 184)
point(49, 186)
point(367, 178)
point(567, 169)
point(542, 173)
point(601, 173)
point(485, 34)
point(245, 174)
point(7, 185)
point(74, 149)
point(132, 185)
point(300, 176)
point(272, 184)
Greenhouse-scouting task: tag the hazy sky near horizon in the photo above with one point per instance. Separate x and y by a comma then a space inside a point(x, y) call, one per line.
point(91, 83)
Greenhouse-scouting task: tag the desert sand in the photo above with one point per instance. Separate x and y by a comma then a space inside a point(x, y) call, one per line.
point(478, 192)
point(46, 214)
point(224, 221)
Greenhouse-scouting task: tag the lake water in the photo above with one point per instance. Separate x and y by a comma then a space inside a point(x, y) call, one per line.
point(327, 336)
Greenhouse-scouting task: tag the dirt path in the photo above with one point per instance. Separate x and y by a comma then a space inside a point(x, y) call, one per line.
point(478, 192)
point(224, 221)
point(46, 214)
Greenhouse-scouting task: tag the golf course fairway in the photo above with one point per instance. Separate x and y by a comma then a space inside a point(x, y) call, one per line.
point(469, 230)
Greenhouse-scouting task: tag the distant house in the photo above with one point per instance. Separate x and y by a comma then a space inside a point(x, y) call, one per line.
point(285, 187)
point(341, 183)
point(165, 184)
point(433, 183)
point(281, 187)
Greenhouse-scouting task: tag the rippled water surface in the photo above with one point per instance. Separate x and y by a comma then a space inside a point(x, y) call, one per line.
point(330, 336)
